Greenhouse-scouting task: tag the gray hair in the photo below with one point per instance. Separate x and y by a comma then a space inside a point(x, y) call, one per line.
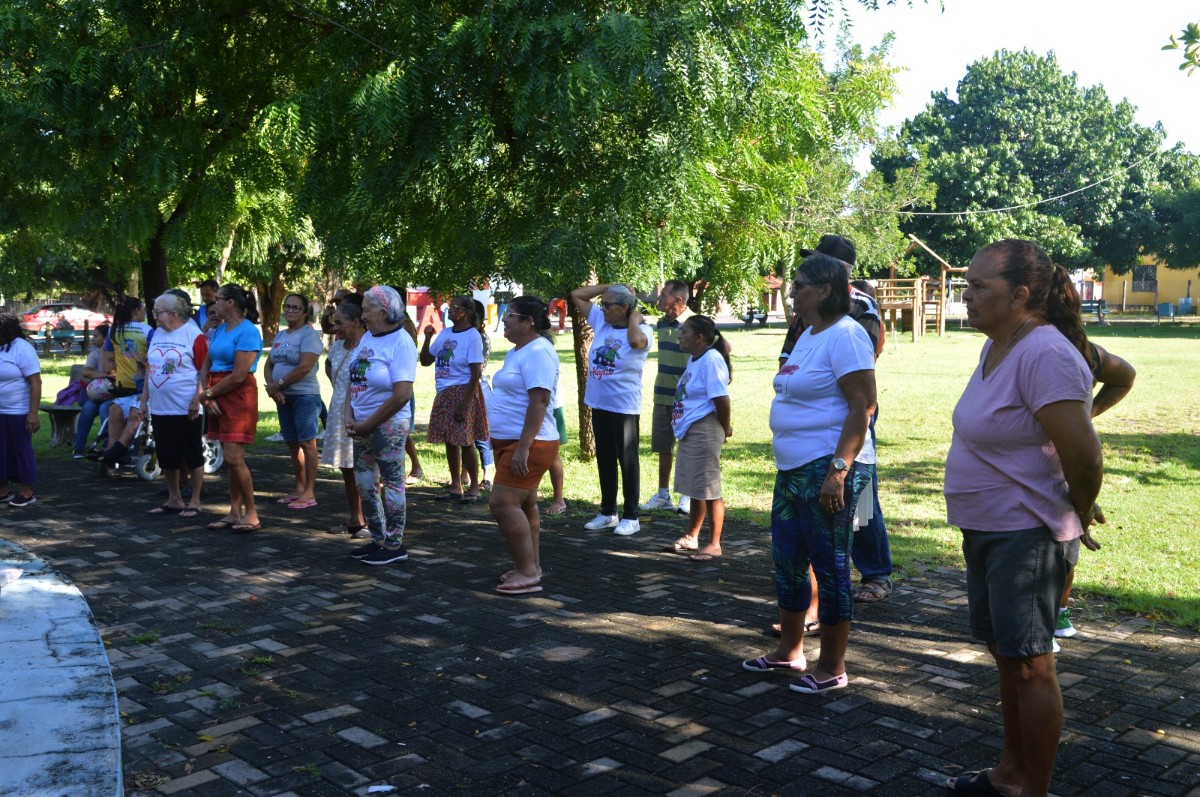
point(171, 301)
point(389, 301)
point(622, 295)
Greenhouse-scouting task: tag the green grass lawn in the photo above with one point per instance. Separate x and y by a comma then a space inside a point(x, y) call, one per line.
point(1152, 457)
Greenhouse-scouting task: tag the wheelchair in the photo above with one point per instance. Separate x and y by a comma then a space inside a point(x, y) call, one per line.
point(142, 458)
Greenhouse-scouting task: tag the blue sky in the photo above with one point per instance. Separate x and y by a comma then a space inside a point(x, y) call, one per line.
point(1113, 44)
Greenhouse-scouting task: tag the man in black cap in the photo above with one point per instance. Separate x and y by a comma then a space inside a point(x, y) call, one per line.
point(870, 551)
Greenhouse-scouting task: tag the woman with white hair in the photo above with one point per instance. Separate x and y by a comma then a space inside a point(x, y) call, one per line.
point(620, 344)
point(378, 419)
point(177, 352)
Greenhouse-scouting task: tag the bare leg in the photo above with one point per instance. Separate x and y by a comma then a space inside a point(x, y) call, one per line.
point(716, 513)
point(810, 616)
point(832, 661)
point(470, 466)
point(696, 514)
point(197, 479)
point(665, 462)
point(557, 504)
point(241, 485)
point(791, 636)
point(307, 453)
point(454, 460)
point(174, 497)
point(297, 470)
point(1066, 596)
point(352, 498)
point(520, 529)
point(410, 450)
point(1031, 703)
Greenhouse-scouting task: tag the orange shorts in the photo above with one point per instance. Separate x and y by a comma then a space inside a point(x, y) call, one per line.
point(238, 420)
point(541, 456)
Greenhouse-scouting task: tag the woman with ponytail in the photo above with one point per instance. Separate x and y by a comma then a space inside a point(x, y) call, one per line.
point(700, 419)
point(1022, 477)
point(524, 437)
point(229, 395)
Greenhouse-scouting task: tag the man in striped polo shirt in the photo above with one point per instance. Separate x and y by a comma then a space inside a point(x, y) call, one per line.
point(672, 301)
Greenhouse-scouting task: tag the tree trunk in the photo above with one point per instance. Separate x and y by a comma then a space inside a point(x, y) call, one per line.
point(270, 298)
point(224, 262)
point(581, 336)
point(154, 268)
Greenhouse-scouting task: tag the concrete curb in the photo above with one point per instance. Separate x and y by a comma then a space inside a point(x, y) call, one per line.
point(60, 732)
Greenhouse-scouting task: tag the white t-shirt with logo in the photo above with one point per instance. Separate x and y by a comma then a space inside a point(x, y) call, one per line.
point(173, 364)
point(453, 355)
point(18, 362)
point(614, 380)
point(534, 365)
point(809, 409)
point(705, 378)
point(376, 366)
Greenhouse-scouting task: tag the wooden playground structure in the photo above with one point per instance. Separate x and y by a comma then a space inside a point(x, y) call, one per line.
point(913, 303)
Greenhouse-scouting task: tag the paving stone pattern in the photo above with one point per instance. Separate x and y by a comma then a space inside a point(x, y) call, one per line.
point(273, 664)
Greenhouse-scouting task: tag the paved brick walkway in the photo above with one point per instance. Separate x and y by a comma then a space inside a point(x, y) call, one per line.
point(273, 664)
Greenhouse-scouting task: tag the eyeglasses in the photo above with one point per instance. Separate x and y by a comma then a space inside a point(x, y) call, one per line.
point(797, 284)
point(158, 312)
point(507, 316)
point(458, 307)
point(610, 305)
point(292, 308)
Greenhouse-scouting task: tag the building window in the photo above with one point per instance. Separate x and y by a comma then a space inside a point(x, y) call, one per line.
point(1145, 279)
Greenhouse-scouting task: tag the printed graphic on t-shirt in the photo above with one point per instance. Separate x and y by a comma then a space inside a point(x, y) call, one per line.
point(604, 359)
point(171, 360)
point(358, 371)
point(445, 356)
point(680, 396)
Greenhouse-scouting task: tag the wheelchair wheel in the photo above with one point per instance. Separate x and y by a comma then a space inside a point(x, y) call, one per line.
point(146, 467)
point(214, 455)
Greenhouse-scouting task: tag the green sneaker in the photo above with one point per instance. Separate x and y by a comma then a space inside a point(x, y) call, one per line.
point(1063, 627)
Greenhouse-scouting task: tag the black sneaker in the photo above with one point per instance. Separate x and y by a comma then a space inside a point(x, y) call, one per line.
point(359, 553)
point(31, 499)
point(385, 556)
point(77, 455)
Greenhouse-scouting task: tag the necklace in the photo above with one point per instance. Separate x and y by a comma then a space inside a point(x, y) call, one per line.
point(1011, 342)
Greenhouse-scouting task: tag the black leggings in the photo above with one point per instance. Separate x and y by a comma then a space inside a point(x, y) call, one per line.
point(617, 439)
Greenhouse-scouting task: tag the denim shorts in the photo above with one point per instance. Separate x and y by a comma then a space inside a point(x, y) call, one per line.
point(1015, 580)
point(298, 417)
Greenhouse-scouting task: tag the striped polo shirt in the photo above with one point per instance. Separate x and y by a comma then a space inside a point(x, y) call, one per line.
point(672, 361)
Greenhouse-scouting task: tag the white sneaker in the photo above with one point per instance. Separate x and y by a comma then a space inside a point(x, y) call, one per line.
point(275, 438)
point(685, 505)
point(1055, 647)
point(600, 522)
point(627, 527)
point(659, 501)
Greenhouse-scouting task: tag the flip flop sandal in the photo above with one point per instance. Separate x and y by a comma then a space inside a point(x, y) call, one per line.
point(448, 496)
point(188, 511)
point(679, 546)
point(245, 528)
point(287, 499)
point(505, 589)
point(301, 504)
point(166, 510)
point(704, 557)
point(976, 783)
point(220, 525)
point(469, 499)
point(812, 628)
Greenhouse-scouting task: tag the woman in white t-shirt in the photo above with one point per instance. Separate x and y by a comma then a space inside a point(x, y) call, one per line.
point(620, 343)
point(524, 437)
point(700, 420)
point(458, 417)
point(824, 397)
point(378, 419)
point(173, 362)
point(20, 393)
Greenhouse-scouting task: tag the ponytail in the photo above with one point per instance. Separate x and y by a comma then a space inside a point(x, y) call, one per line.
point(708, 331)
point(1052, 295)
point(122, 315)
point(244, 300)
point(535, 310)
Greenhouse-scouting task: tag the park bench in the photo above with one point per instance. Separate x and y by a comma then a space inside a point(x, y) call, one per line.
point(58, 341)
point(753, 314)
point(64, 416)
point(1097, 306)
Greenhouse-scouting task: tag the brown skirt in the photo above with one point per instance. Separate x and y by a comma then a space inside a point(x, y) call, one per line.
point(444, 429)
point(698, 460)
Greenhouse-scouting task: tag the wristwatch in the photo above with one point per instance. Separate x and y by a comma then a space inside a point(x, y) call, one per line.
point(839, 464)
point(208, 393)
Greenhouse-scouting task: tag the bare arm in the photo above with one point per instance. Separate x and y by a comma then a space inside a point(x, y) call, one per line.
point(1069, 427)
point(633, 333)
point(724, 414)
point(32, 421)
point(1116, 380)
point(539, 400)
point(426, 355)
point(859, 389)
point(582, 297)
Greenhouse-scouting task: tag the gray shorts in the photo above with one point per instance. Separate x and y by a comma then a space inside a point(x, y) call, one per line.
point(662, 436)
point(1015, 580)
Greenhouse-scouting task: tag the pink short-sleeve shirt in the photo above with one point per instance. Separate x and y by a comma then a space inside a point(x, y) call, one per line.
point(1003, 473)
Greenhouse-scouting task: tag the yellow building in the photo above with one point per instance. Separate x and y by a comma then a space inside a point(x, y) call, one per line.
point(1150, 284)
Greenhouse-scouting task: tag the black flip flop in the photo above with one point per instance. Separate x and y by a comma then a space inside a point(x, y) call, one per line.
point(977, 784)
point(166, 510)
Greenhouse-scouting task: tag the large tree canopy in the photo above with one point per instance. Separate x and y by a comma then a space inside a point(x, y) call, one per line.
point(1020, 132)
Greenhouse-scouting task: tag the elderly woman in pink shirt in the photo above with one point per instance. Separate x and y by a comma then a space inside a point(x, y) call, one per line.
point(1022, 478)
